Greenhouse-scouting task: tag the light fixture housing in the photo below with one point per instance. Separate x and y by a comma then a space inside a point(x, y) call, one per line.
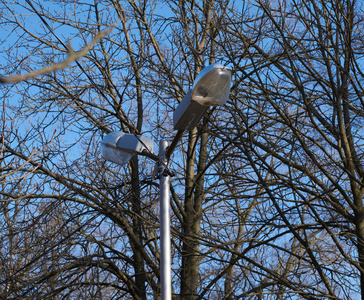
point(212, 85)
point(211, 88)
point(119, 147)
point(188, 113)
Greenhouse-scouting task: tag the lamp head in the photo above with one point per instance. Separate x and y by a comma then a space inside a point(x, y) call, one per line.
point(212, 85)
point(119, 147)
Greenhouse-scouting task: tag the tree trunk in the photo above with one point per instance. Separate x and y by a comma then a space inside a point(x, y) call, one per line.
point(138, 263)
point(190, 265)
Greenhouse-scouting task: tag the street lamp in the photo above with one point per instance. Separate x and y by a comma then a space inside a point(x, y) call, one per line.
point(118, 147)
point(211, 88)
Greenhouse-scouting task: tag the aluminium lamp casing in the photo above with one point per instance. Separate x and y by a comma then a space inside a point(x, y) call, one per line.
point(188, 113)
point(119, 147)
point(211, 88)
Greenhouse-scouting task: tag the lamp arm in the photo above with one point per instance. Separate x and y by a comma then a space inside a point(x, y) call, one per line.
point(149, 154)
point(174, 143)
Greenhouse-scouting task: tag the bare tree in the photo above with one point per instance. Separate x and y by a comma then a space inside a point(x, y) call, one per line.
point(301, 86)
point(267, 200)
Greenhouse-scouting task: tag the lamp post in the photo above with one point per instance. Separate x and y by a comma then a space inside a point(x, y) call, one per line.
point(211, 88)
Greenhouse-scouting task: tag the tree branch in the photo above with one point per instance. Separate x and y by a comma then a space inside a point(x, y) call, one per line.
point(72, 56)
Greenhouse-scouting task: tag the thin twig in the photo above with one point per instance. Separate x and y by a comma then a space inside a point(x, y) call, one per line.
point(32, 155)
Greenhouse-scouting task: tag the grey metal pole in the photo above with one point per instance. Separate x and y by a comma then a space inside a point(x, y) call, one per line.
point(165, 241)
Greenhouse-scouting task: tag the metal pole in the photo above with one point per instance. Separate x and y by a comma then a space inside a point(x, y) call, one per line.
point(165, 241)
